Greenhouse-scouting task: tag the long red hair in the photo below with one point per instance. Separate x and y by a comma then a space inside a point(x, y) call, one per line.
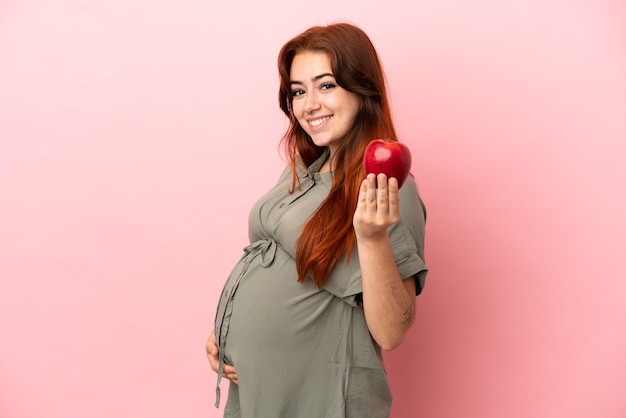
point(329, 233)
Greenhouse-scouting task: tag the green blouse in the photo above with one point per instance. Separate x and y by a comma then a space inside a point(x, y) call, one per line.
point(299, 350)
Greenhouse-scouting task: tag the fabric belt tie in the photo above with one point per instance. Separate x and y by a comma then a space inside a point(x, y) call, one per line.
point(266, 249)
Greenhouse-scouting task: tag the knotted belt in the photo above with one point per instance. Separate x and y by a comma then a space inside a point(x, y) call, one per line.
point(266, 248)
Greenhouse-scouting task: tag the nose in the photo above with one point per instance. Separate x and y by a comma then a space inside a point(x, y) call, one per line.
point(311, 102)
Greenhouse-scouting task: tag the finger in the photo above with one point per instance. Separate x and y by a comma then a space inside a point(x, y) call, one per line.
point(228, 370)
point(370, 193)
point(232, 378)
point(360, 209)
point(394, 198)
point(230, 373)
point(362, 194)
point(215, 364)
point(383, 194)
point(211, 351)
point(211, 347)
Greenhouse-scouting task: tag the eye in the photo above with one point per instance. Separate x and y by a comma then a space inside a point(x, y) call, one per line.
point(297, 92)
point(327, 86)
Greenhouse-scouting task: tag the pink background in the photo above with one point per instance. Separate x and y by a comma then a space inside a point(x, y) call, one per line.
point(135, 135)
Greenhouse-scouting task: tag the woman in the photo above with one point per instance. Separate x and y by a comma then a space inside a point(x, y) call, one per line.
point(335, 258)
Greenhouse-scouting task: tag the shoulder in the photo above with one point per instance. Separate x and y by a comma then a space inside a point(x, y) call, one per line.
point(410, 199)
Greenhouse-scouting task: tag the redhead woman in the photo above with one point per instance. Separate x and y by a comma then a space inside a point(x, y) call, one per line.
point(335, 260)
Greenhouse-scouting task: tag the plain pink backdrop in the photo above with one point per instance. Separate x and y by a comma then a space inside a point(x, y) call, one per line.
point(135, 135)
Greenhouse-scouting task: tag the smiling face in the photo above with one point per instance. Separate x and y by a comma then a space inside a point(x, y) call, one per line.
point(323, 109)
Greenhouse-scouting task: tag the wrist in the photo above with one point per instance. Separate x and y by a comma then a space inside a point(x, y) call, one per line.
point(374, 241)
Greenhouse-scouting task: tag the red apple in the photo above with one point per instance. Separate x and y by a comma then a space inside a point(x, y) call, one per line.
point(389, 157)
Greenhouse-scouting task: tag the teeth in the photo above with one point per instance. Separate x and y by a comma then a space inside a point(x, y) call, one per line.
point(318, 122)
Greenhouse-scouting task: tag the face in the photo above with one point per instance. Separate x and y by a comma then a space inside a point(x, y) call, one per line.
point(325, 110)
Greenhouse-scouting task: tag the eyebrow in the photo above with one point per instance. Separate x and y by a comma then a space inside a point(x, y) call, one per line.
point(316, 78)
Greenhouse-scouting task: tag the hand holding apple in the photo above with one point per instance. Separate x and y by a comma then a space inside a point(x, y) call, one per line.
point(389, 157)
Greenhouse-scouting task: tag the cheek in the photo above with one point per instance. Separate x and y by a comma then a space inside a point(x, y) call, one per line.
point(296, 109)
point(297, 116)
point(332, 103)
point(355, 109)
point(344, 103)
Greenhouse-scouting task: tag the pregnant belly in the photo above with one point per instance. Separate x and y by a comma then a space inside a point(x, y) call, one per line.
point(274, 316)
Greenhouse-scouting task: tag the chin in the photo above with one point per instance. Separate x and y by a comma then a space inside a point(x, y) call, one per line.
point(322, 142)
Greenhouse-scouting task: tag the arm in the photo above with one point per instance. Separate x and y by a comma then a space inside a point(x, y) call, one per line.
point(388, 300)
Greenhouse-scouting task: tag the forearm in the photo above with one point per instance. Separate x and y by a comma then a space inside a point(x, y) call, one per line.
point(388, 302)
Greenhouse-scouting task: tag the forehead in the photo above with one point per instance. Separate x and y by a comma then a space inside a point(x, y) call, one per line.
point(308, 64)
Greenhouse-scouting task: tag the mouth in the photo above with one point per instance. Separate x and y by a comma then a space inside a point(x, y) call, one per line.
point(318, 122)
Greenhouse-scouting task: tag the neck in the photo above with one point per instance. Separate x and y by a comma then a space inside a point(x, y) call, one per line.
point(329, 164)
